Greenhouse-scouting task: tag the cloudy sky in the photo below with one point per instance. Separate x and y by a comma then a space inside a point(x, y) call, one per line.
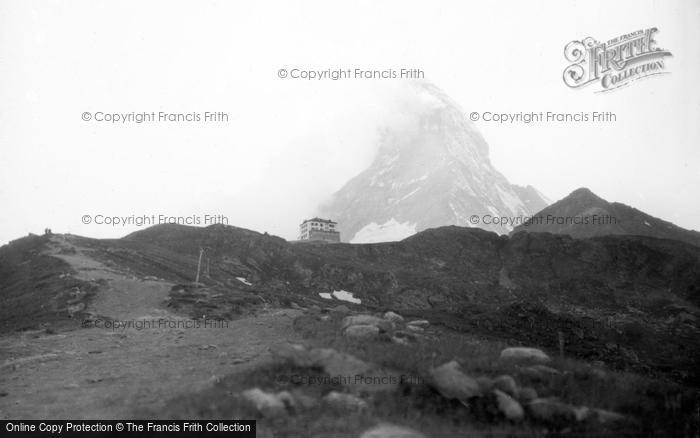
point(289, 144)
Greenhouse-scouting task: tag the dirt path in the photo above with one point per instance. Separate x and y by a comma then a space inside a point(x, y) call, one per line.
point(110, 371)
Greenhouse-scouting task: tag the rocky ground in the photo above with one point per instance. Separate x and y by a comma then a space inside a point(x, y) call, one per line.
point(448, 339)
point(106, 370)
point(375, 375)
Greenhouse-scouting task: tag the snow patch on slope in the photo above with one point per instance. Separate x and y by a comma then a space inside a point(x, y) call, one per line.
point(341, 295)
point(390, 231)
point(344, 295)
point(244, 281)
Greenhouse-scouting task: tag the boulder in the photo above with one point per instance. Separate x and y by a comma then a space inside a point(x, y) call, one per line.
point(354, 373)
point(380, 323)
point(604, 416)
point(338, 364)
point(268, 404)
point(598, 373)
point(303, 401)
point(544, 369)
point(419, 323)
point(539, 372)
point(509, 406)
point(550, 410)
point(405, 335)
point(75, 308)
point(506, 384)
point(342, 309)
point(391, 431)
point(400, 341)
point(361, 331)
point(527, 394)
point(452, 383)
point(393, 317)
point(344, 402)
point(524, 353)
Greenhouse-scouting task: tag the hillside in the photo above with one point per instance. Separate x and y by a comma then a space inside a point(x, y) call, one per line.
point(583, 214)
point(627, 305)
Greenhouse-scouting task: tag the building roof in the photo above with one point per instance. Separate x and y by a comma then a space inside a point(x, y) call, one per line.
point(318, 219)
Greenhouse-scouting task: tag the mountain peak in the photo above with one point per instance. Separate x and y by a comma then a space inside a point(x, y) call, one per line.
point(584, 214)
point(432, 169)
point(584, 193)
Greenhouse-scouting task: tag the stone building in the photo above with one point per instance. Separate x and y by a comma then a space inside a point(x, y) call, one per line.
point(319, 229)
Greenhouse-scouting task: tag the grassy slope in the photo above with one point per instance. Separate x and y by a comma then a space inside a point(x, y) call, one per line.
point(36, 288)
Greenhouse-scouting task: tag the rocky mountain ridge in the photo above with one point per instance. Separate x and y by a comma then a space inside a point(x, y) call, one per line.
point(431, 169)
point(583, 214)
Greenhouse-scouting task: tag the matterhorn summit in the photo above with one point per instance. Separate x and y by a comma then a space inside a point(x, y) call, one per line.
point(431, 169)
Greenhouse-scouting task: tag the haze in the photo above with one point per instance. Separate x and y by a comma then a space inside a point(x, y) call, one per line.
point(289, 144)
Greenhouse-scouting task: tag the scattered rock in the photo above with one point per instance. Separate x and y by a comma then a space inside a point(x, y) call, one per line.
point(419, 323)
point(508, 406)
point(545, 369)
point(303, 401)
point(598, 373)
point(604, 416)
point(527, 394)
point(361, 331)
point(75, 308)
point(405, 335)
point(342, 308)
point(269, 404)
point(356, 374)
point(344, 402)
point(415, 328)
point(391, 431)
point(338, 364)
point(380, 323)
point(581, 413)
point(437, 300)
point(452, 383)
point(506, 384)
point(400, 341)
point(524, 353)
point(686, 318)
point(550, 410)
point(393, 317)
point(539, 372)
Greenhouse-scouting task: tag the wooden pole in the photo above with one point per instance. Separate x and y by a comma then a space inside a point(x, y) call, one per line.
point(199, 266)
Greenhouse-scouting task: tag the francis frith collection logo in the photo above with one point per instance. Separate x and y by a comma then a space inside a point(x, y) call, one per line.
point(615, 63)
